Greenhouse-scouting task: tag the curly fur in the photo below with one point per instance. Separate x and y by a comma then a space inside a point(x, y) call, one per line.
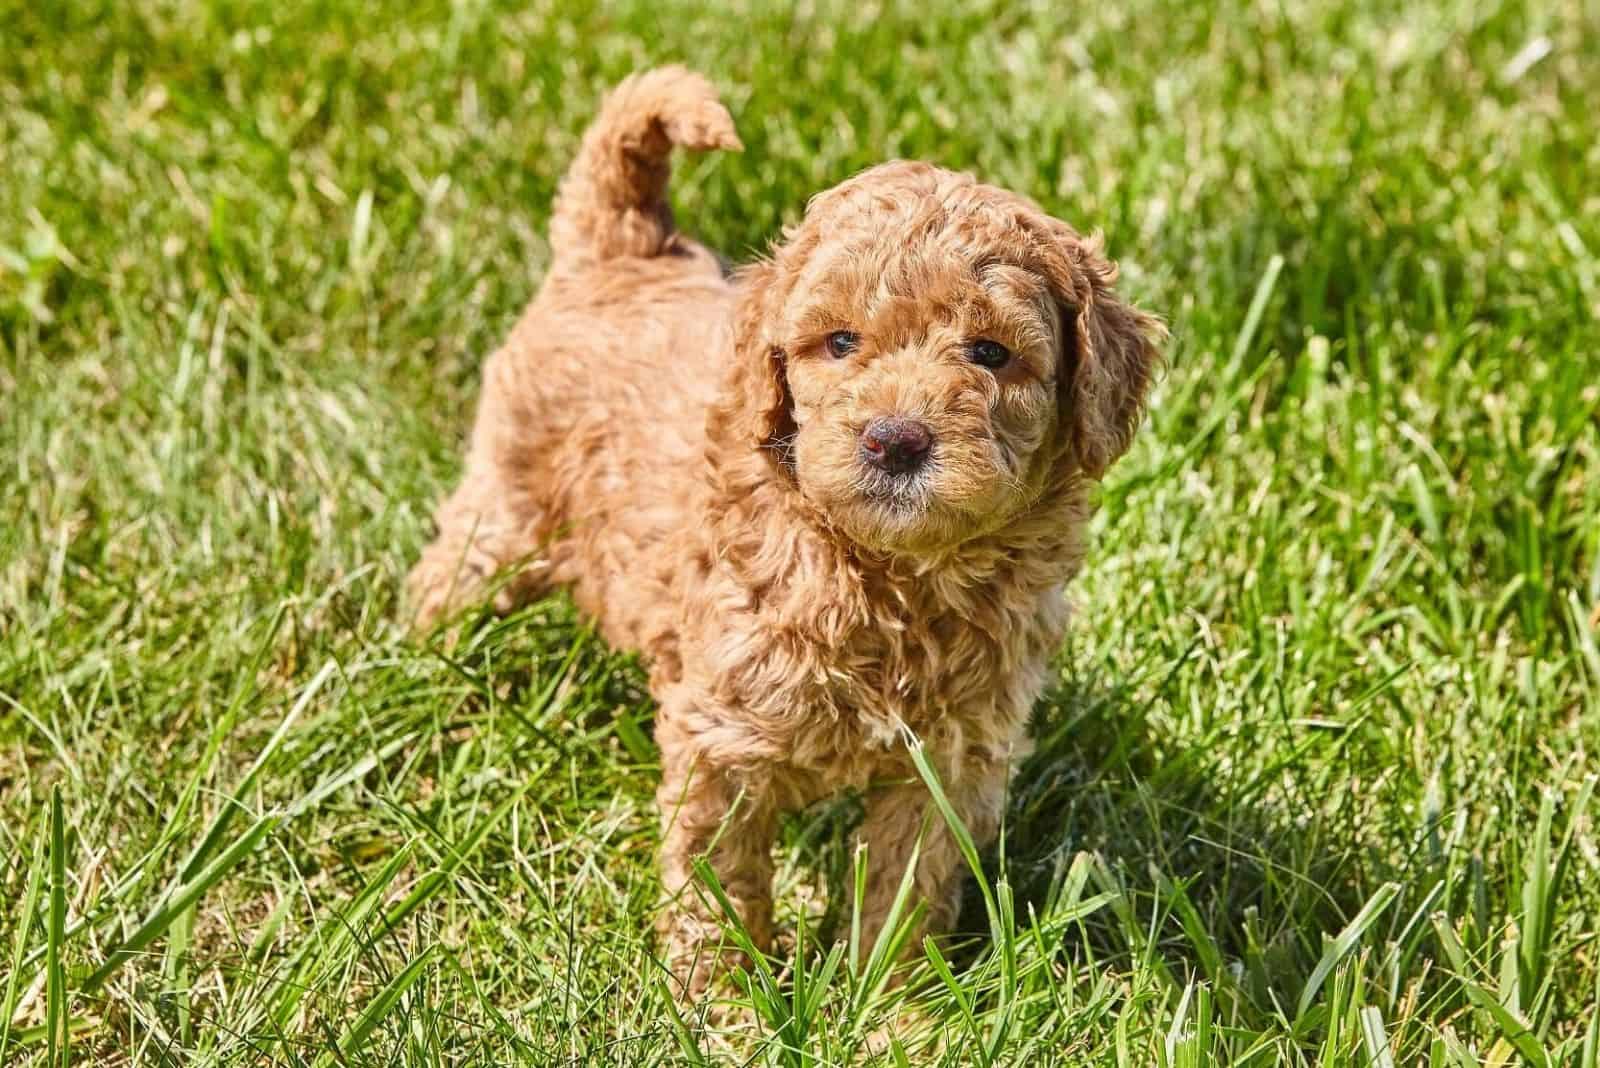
point(679, 449)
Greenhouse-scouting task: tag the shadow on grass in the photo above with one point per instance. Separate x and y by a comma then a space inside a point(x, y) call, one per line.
point(1262, 879)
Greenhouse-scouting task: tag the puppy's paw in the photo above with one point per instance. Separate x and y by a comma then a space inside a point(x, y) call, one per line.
point(699, 956)
point(914, 1031)
point(427, 600)
point(437, 587)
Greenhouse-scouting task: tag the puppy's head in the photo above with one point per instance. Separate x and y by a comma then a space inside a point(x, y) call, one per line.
point(926, 357)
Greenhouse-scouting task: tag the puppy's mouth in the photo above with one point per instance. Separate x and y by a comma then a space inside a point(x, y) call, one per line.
point(902, 513)
point(923, 510)
point(905, 496)
point(919, 504)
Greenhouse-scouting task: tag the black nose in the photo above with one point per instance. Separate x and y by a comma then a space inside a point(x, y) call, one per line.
point(896, 445)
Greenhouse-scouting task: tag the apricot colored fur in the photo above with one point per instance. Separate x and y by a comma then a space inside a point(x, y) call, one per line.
point(681, 450)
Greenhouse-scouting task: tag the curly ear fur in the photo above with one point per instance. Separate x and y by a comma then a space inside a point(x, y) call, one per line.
point(755, 410)
point(1112, 351)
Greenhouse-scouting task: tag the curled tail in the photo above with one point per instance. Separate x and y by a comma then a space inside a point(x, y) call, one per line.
point(613, 201)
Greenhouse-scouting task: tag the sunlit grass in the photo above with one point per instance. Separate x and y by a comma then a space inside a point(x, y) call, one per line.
point(1314, 782)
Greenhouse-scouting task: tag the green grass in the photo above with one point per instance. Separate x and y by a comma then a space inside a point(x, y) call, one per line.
point(1313, 782)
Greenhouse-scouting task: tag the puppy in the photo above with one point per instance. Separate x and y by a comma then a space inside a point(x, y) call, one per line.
point(833, 499)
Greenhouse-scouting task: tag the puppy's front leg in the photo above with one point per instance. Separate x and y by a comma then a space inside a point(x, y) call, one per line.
point(896, 816)
point(706, 811)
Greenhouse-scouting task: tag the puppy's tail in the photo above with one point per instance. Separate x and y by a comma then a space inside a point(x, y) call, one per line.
point(613, 202)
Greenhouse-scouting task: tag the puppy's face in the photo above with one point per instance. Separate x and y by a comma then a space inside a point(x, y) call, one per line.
point(929, 350)
point(923, 385)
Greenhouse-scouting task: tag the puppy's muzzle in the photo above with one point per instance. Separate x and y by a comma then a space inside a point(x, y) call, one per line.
point(895, 445)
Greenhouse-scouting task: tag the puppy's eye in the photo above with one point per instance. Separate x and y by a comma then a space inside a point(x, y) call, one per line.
point(990, 354)
point(842, 343)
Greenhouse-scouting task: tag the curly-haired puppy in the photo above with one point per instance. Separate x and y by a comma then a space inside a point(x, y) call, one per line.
point(833, 499)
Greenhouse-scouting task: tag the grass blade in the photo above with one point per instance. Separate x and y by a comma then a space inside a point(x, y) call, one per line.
point(958, 994)
point(162, 916)
point(1343, 944)
point(1543, 877)
point(30, 905)
point(56, 983)
point(378, 1008)
point(235, 802)
point(1005, 943)
point(680, 1030)
point(1512, 1027)
point(1375, 1038)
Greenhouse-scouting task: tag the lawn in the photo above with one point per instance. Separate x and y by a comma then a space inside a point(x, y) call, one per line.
point(1313, 778)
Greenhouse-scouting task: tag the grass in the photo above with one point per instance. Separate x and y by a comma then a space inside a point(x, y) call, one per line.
point(1314, 782)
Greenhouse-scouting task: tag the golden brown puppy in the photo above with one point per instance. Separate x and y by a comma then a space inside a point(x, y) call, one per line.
point(833, 499)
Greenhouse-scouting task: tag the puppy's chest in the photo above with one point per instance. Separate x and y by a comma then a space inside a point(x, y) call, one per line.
point(958, 680)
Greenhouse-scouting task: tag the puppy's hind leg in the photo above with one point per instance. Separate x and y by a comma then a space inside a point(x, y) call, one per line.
point(478, 537)
point(493, 521)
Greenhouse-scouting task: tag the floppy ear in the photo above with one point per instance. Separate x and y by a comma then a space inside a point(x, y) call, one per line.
point(755, 410)
point(1112, 352)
